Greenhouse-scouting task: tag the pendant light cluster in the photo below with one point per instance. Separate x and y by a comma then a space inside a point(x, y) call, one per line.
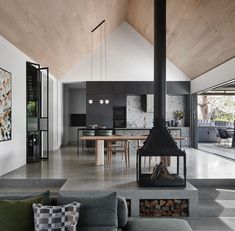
point(102, 58)
point(101, 101)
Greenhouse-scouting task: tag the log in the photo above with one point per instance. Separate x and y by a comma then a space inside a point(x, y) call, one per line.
point(160, 172)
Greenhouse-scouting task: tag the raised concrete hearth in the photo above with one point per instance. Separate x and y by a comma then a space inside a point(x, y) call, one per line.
point(132, 192)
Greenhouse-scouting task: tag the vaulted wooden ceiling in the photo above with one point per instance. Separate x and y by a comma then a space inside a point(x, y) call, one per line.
point(56, 33)
point(200, 33)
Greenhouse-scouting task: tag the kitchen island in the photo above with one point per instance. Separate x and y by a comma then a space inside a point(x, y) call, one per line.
point(135, 131)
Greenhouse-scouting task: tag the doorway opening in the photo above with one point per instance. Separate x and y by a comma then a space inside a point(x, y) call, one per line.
point(215, 116)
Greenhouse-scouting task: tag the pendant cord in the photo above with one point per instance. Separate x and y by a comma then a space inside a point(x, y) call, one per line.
point(105, 55)
point(102, 34)
point(101, 63)
point(91, 54)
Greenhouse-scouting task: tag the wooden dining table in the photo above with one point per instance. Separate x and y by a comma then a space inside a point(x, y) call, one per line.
point(99, 143)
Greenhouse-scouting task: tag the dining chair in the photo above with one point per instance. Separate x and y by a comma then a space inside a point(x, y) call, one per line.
point(119, 147)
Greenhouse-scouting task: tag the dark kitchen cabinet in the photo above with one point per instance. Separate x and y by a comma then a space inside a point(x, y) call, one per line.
point(116, 92)
point(178, 87)
point(119, 117)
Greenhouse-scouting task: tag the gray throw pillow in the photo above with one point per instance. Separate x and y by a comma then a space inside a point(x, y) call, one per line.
point(63, 217)
point(95, 211)
point(122, 212)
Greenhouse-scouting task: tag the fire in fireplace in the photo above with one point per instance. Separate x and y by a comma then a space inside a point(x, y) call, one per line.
point(170, 161)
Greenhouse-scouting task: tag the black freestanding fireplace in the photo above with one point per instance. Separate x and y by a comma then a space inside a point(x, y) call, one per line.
point(169, 169)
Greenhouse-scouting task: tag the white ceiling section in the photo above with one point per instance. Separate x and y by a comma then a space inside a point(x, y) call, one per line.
point(129, 58)
point(221, 74)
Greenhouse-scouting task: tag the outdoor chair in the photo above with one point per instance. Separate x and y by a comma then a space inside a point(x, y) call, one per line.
point(223, 137)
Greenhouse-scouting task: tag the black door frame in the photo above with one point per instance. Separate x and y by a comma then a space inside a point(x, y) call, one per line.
point(39, 69)
point(194, 113)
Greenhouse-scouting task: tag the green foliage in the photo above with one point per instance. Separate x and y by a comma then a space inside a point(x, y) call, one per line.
point(219, 108)
point(218, 115)
point(178, 115)
point(32, 109)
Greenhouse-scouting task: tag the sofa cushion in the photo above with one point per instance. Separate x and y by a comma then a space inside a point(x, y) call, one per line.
point(64, 217)
point(122, 212)
point(98, 228)
point(18, 214)
point(18, 196)
point(95, 211)
point(157, 224)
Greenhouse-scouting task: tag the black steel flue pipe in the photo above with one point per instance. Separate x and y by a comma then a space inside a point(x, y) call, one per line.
point(159, 61)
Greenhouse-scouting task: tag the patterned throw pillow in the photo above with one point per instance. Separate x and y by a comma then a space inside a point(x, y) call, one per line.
point(63, 218)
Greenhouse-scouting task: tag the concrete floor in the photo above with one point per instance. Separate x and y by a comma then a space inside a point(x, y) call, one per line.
point(226, 151)
point(66, 164)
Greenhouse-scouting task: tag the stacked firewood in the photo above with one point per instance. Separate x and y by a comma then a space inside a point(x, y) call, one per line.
point(168, 208)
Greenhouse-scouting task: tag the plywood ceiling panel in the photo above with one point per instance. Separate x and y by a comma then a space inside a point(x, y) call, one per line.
point(200, 33)
point(57, 33)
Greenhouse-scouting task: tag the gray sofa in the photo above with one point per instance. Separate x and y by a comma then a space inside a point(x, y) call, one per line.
point(106, 213)
point(109, 213)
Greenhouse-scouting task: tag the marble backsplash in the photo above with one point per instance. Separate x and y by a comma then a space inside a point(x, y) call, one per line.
point(138, 118)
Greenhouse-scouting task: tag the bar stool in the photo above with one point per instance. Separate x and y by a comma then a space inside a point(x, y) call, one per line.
point(90, 132)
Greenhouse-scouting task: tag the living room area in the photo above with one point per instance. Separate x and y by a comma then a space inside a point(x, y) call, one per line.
point(99, 106)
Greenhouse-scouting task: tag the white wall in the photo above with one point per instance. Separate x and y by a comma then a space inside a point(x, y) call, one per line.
point(51, 114)
point(223, 73)
point(13, 152)
point(60, 113)
point(129, 58)
point(55, 113)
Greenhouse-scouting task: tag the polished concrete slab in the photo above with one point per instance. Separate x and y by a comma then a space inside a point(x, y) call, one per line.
point(212, 223)
point(132, 192)
point(215, 148)
point(66, 164)
point(24, 187)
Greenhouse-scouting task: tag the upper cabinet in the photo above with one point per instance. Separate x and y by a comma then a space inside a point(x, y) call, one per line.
point(178, 87)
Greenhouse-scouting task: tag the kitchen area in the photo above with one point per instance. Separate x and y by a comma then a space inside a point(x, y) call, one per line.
point(124, 107)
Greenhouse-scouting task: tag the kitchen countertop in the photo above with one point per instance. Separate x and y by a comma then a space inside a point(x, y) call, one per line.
point(134, 128)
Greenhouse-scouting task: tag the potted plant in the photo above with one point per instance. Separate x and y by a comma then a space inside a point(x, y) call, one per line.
point(178, 116)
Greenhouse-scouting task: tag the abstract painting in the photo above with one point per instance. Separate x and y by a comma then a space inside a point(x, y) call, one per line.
point(5, 105)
